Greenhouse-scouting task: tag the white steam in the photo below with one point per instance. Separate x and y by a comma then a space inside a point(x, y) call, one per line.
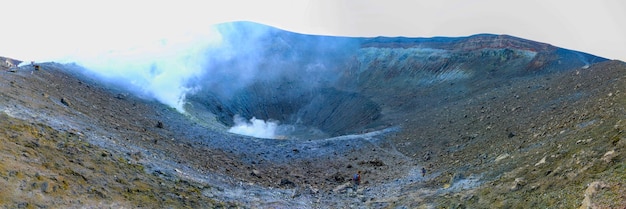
point(172, 62)
point(159, 69)
point(164, 68)
point(254, 127)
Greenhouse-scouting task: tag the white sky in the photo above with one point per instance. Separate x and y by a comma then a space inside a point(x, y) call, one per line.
point(48, 30)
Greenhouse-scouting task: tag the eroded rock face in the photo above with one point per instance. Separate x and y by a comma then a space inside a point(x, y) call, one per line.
point(346, 85)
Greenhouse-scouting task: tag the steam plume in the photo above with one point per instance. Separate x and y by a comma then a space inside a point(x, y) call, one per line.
point(255, 127)
point(220, 59)
point(159, 68)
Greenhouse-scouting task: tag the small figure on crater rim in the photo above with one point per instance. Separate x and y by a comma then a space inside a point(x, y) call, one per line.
point(36, 66)
point(357, 178)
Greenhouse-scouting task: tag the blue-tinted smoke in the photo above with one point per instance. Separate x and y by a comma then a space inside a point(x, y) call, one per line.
point(221, 59)
point(251, 53)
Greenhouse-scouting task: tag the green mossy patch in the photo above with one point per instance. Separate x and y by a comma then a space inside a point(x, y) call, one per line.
point(63, 170)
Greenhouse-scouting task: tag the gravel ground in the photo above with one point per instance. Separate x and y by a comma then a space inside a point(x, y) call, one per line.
point(549, 140)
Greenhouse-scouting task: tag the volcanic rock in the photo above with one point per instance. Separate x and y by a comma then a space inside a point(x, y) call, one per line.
point(387, 106)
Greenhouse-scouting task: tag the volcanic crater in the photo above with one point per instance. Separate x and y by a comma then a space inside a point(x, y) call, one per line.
point(433, 122)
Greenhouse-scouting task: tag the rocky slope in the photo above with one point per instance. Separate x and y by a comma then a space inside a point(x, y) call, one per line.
point(472, 122)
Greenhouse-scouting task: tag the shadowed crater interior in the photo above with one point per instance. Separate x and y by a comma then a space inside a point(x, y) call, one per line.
point(301, 112)
point(324, 86)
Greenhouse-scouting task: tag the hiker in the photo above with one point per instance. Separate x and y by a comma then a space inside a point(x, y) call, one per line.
point(36, 66)
point(357, 179)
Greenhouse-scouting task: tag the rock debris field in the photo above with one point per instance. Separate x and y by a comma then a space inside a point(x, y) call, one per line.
point(486, 121)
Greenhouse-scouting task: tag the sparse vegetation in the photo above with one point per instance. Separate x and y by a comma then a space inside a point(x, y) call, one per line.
point(43, 167)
